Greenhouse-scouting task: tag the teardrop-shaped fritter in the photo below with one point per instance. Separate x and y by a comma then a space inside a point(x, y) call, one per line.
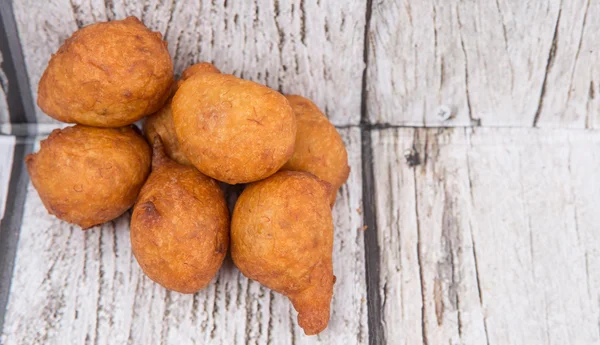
point(282, 237)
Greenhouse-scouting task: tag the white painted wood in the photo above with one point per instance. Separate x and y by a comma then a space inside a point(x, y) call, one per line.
point(313, 48)
point(571, 95)
point(492, 239)
point(77, 287)
point(7, 146)
point(416, 64)
point(504, 63)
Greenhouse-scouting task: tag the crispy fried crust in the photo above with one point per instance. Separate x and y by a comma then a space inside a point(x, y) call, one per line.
point(319, 147)
point(88, 176)
point(282, 236)
point(161, 122)
point(107, 75)
point(179, 226)
point(201, 67)
point(231, 129)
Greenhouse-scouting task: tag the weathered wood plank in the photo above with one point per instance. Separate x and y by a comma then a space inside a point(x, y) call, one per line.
point(489, 239)
point(77, 287)
point(294, 46)
point(492, 63)
point(573, 77)
point(7, 146)
point(415, 64)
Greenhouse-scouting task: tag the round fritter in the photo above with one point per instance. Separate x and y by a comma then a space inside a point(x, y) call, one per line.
point(87, 175)
point(179, 225)
point(201, 67)
point(161, 123)
point(282, 236)
point(231, 129)
point(319, 147)
point(107, 75)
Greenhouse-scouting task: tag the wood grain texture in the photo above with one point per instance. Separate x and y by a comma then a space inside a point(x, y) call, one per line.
point(573, 74)
point(7, 146)
point(491, 239)
point(77, 287)
point(313, 48)
point(493, 63)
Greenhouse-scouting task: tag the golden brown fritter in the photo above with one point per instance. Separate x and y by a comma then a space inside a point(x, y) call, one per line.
point(87, 175)
point(231, 129)
point(107, 75)
point(282, 236)
point(201, 67)
point(179, 226)
point(161, 122)
point(319, 147)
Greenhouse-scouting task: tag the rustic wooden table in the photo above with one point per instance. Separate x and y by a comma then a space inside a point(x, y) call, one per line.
point(482, 227)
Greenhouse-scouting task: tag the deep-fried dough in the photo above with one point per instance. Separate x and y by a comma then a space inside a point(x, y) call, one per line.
point(107, 75)
point(231, 129)
point(179, 226)
point(161, 122)
point(282, 236)
point(201, 67)
point(319, 147)
point(87, 175)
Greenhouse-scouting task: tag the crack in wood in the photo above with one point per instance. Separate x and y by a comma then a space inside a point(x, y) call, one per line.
point(76, 14)
point(569, 92)
point(292, 328)
point(419, 245)
point(110, 11)
point(475, 122)
point(165, 317)
point(549, 64)
point(303, 23)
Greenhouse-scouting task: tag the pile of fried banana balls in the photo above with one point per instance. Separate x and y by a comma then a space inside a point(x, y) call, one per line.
point(205, 128)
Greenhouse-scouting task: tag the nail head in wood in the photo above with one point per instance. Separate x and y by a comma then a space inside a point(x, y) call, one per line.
point(444, 112)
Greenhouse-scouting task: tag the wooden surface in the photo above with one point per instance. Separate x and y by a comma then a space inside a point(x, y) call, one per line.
point(492, 238)
point(295, 47)
point(504, 63)
point(7, 145)
point(482, 232)
point(75, 287)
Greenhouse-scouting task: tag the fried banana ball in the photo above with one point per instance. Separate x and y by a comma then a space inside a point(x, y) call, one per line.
point(87, 175)
point(319, 147)
point(231, 129)
point(107, 75)
point(161, 122)
point(179, 226)
point(282, 237)
point(201, 67)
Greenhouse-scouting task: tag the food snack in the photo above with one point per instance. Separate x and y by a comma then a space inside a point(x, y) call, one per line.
point(161, 122)
point(282, 236)
point(88, 176)
point(231, 129)
point(319, 147)
point(107, 75)
point(179, 225)
point(201, 67)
